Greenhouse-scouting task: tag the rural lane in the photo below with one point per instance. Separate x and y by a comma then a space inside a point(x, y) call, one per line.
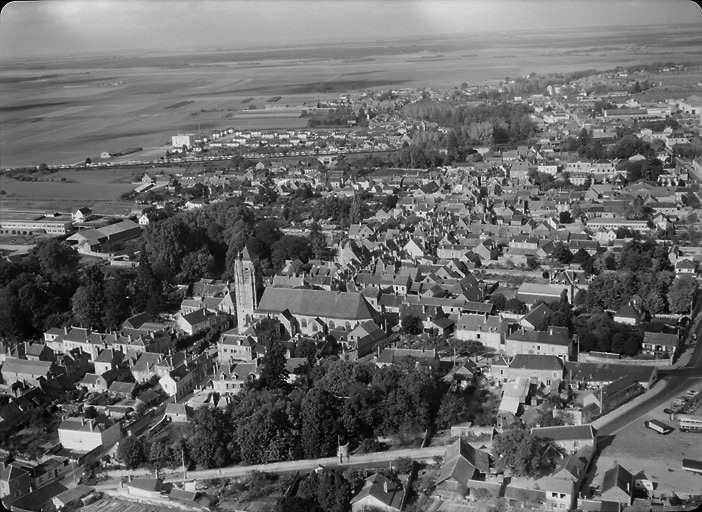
point(171, 475)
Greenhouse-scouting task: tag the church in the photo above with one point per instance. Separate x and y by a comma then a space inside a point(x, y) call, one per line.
point(300, 311)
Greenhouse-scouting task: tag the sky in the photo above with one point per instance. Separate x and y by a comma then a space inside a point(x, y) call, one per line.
point(76, 26)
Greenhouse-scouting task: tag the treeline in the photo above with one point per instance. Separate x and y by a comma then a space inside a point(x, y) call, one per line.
point(599, 332)
point(36, 292)
point(49, 288)
point(338, 117)
point(643, 272)
point(479, 124)
point(272, 420)
point(206, 243)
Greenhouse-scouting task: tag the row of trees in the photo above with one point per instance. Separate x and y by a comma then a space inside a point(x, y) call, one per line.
point(273, 421)
point(481, 124)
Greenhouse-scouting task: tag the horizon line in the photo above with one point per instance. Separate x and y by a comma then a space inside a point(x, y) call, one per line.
point(304, 43)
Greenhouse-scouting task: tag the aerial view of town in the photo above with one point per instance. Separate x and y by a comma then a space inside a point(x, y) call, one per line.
point(351, 256)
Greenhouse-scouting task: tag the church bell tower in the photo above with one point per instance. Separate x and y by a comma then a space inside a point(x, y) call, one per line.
point(247, 287)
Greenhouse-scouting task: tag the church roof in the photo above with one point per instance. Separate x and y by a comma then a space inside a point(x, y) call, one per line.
point(318, 303)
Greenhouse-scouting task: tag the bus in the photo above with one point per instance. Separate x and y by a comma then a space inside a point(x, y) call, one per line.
point(658, 426)
point(689, 423)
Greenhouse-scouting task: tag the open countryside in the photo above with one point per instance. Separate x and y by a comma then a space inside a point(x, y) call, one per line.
point(65, 110)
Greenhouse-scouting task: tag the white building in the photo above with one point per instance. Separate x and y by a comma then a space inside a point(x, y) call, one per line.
point(178, 141)
point(85, 434)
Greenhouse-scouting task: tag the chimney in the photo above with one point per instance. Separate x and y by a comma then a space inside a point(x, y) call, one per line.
point(385, 486)
point(65, 329)
point(550, 331)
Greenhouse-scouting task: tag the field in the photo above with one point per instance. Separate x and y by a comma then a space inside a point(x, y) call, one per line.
point(67, 190)
point(638, 448)
point(68, 109)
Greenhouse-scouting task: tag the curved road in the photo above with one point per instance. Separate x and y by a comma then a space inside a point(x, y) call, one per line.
point(673, 382)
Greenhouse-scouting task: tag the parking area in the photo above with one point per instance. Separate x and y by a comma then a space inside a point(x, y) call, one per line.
point(638, 448)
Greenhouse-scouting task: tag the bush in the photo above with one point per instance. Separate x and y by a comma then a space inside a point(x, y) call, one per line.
point(482, 494)
point(370, 445)
point(403, 465)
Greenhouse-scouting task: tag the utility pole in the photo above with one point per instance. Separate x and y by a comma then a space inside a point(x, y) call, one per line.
point(182, 460)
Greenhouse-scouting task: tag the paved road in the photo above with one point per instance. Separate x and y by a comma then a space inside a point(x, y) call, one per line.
point(674, 381)
point(366, 460)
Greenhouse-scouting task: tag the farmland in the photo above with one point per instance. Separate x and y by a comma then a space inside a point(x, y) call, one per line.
point(65, 110)
point(66, 190)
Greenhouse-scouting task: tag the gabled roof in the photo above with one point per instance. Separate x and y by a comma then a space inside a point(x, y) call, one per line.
point(376, 485)
point(36, 368)
point(574, 465)
point(537, 362)
point(628, 311)
point(316, 303)
point(537, 314)
point(617, 479)
point(565, 433)
point(553, 336)
point(660, 338)
point(474, 322)
point(461, 461)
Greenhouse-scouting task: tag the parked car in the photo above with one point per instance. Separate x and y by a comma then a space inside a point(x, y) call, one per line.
point(668, 411)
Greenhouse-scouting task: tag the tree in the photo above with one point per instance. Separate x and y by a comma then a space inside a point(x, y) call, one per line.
point(682, 293)
point(209, 437)
point(116, 302)
point(580, 298)
point(333, 492)
point(307, 348)
point(562, 254)
point(532, 263)
point(454, 409)
point(57, 260)
point(320, 424)
point(268, 426)
point(88, 300)
point(131, 452)
point(411, 324)
point(355, 214)
point(274, 373)
point(403, 465)
point(518, 450)
point(318, 242)
point(639, 210)
point(654, 302)
point(499, 301)
point(147, 288)
point(160, 454)
point(515, 306)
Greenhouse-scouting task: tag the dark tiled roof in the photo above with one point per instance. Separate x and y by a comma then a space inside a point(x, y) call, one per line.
point(318, 303)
